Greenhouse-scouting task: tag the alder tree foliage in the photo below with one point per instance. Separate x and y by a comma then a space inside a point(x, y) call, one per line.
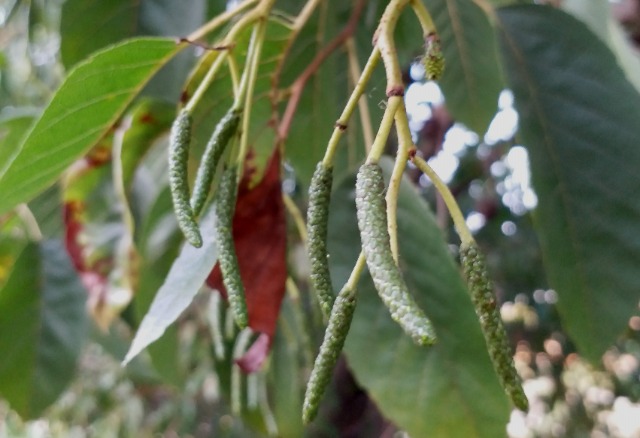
point(245, 193)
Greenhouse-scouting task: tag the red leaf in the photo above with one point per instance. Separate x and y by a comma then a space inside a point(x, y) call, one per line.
point(259, 232)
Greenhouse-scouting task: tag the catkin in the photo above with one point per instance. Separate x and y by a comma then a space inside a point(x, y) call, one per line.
point(317, 222)
point(433, 58)
point(225, 129)
point(495, 335)
point(178, 177)
point(334, 337)
point(225, 207)
point(372, 221)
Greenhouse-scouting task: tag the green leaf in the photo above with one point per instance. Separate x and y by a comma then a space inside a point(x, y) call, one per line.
point(186, 277)
point(42, 329)
point(432, 391)
point(597, 15)
point(85, 107)
point(12, 131)
point(579, 121)
point(47, 210)
point(472, 79)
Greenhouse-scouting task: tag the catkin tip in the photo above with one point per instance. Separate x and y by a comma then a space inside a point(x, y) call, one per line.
point(484, 301)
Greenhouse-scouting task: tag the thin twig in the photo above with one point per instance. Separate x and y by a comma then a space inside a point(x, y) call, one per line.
point(298, 86)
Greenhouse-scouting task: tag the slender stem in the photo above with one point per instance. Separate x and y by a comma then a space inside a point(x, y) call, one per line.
point(240, 96)
point(297, 217)
point(234, 73)
point(363, 107)
point(263, 400)
point(206, 81)
point(405, 142)
point(220, 20)
point(352, 282)
point(299, 23)
point(424, 17)
point(304, 15)
point(215, 325)
point(384, 41)
point(253, 64)
point(450, 201)
point(260, 12)
point(383, 131)
point(357, 93)
point(240, 347)
point(298, 86)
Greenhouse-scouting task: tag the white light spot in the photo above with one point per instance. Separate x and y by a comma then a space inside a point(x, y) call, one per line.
point(498, 169)
point(457, 138)
point(503, 126)
point(538, 296)
point(475, 221)
point(551, 296)
point(505, 100)
point(433, 94)
point(476, 189)
point(416, 71)
point(508, 228)
point(445, 165)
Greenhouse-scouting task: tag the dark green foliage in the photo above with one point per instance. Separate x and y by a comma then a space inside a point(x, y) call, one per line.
point(178, 177)
point(225, 207)
point(225, 129)
point(372, 221)
point(484, 301)
point(317, 221)
point(334, 337)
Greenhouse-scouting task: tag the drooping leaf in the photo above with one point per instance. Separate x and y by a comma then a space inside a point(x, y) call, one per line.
point(159, 243)
point(433, 391)
point(260, 236)
point(578, 119)
point(84, 108)
point(472, 78)
point(186, 276)
point(42, 328)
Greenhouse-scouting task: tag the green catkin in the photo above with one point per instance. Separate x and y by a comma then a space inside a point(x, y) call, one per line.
point(433, 58)
point(334, 337)
point(372, 221)
point(484, 301)
point(178, 177)
point(225, 207)
point(224, 131)
point(317, 221)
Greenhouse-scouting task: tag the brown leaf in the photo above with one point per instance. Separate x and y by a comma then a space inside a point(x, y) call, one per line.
point(259, 233)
